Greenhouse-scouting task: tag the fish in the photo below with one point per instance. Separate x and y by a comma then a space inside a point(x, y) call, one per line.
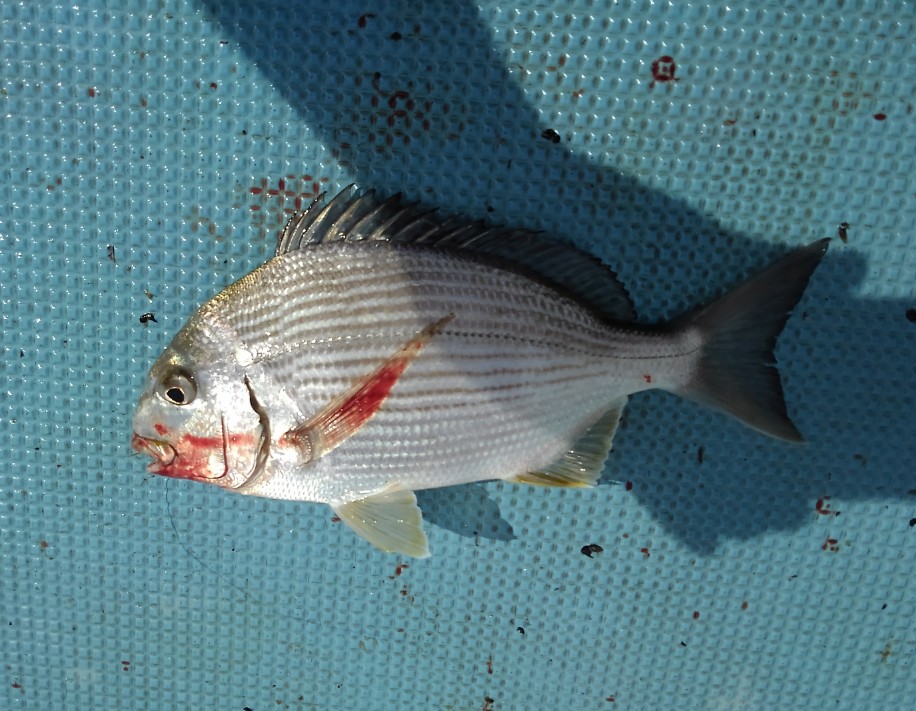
point(385, 349)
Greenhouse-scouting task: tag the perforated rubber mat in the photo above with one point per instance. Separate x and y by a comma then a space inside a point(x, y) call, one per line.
point(150, 152)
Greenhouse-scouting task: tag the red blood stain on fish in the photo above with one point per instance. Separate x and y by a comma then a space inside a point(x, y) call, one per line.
point(344, 418)
point(194, 455)
point(366, 401)
point(663, 70)
point(161, 429)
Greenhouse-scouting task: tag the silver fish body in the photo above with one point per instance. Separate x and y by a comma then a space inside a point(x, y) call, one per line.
point(383, 351)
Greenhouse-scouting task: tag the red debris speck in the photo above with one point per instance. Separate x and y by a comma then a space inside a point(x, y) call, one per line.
point(744, 605)
point(842, 232)
point(830, 544)
point(212, 84)
point(663, 70)
point(335, 519)
point(611, 699)
point(647, 378)
point(824, 508)
point(629, 486)
point(398, 569)
point(644, 551)
point(880, 117)
point(363, 19)
point(16, 685)
point(91, 92)
point(490, 664)
point(696, 614)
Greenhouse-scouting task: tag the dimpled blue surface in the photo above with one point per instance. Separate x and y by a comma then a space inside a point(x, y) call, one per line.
point(149, 153)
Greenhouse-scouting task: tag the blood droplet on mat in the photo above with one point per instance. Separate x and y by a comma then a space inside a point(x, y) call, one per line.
point(663, 70)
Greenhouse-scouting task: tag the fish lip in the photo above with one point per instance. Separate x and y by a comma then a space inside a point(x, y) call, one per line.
point(162, 453)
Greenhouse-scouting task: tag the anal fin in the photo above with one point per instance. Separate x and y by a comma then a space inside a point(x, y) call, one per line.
point(581, 465)
point(391, 521)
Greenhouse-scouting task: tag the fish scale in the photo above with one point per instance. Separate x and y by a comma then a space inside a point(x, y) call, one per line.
point(381, 352)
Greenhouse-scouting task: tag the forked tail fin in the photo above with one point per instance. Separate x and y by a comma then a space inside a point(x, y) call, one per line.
point(736, 372)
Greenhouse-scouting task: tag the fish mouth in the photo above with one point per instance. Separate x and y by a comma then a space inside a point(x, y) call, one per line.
point(162, 453)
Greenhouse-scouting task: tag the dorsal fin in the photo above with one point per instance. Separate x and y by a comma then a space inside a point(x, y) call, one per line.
point(355, 217)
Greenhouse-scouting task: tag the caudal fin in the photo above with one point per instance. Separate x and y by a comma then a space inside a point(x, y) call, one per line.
point(737, 371)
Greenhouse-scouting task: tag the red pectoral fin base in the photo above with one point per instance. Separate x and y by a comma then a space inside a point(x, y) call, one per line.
point(346, 414)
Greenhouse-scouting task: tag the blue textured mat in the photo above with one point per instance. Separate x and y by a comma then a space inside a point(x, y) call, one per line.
point(150, 151)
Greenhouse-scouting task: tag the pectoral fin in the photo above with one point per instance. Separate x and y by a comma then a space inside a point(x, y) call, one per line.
point(582, 464)
point(391, 521)
point(346, 414)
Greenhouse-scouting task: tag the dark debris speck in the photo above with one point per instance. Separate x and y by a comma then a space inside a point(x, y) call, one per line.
point(842, 231)
point(550, 135)
point(147, 317)
point(590, 549)
point(911, 315)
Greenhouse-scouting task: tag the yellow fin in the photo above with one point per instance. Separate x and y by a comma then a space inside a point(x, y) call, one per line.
point(391, 521)
point(547, 478)
point(582, 464)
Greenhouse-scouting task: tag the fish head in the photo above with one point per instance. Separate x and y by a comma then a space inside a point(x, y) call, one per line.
point(196, 421)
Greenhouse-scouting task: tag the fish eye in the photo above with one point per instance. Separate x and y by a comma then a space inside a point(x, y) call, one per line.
point(178, 388)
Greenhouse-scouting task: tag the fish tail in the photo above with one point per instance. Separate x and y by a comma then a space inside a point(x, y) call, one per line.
point(736, 371)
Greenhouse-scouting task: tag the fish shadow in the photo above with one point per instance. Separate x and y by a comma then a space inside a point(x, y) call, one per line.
point(453, 127)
